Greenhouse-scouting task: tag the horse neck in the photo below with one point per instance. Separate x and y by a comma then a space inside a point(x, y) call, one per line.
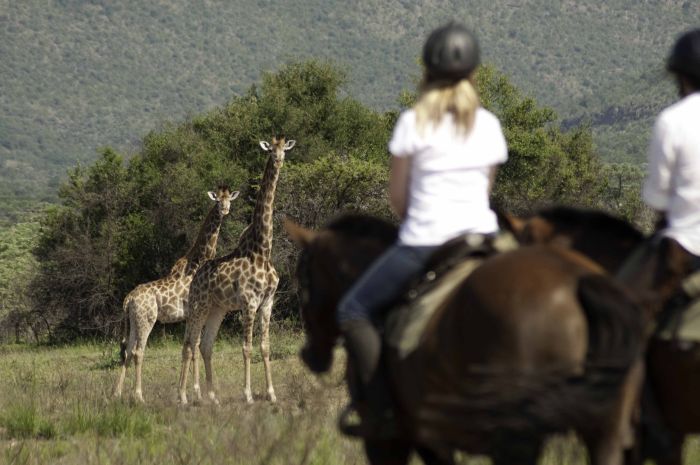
point(354, 259)
point(600, 236)
point(609, 252)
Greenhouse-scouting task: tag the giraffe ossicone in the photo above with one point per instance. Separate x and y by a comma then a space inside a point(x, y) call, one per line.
point(243, 280)
point(165, 299)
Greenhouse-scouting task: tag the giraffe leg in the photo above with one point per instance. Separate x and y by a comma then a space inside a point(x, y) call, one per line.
point(193, 332)
point(248, 323)
point(265, 314)
point(142, 333)
point(125, 363)
point(186, 357)
point(211, 329)
point(195, 373)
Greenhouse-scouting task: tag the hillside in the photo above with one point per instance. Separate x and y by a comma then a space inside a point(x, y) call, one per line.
point(79, 75)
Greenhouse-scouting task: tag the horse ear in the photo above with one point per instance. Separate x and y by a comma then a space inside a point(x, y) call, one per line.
point(512, 223)
point(300, 235)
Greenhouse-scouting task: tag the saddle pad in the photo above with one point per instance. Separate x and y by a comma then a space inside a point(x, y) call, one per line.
point(405, 324)
point(684, 325)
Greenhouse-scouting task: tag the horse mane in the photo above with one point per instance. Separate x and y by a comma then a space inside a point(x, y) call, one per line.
point(362, 225)
point(590, 221)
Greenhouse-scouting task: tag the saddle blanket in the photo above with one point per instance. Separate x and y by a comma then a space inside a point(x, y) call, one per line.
point(404, 324)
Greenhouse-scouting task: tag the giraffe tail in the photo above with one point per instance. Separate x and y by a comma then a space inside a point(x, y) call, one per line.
point(125, 329)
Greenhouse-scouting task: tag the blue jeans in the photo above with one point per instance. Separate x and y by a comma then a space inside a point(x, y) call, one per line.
point(382, 283)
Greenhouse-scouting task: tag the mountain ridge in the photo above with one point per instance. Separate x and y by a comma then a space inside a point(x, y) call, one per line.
point(79, 75)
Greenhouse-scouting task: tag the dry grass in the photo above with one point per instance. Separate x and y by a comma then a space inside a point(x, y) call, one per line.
point(55, 408)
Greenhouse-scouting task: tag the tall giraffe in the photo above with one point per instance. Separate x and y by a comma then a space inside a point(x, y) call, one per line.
point(243, 280)
point(165, 299)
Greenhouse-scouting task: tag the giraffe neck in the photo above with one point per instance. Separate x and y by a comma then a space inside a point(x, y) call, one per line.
point(204, 247)
point(257, 238)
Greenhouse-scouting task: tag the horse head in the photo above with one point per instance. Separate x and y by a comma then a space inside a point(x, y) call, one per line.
point(331, 259)
point(600, 236)
point(653, 268)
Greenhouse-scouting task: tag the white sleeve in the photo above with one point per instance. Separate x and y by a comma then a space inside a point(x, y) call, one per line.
point(403, 140)
point(657, 186)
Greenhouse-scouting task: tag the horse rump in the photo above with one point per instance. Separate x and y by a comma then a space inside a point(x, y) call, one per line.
point(511, 404)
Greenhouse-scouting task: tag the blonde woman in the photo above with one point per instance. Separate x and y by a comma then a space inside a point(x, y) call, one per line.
point(445, 151)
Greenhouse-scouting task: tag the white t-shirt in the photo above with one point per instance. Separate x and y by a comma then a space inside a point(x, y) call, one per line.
point(673, 178)
point(449, 178)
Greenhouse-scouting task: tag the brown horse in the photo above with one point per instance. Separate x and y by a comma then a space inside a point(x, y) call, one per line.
point(535, 341)
point(673, 368)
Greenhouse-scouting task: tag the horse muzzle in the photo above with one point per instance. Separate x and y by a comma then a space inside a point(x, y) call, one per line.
point(318, 363)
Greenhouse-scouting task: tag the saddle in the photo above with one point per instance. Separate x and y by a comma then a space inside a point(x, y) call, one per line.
point(445, 270)
point(680, 320)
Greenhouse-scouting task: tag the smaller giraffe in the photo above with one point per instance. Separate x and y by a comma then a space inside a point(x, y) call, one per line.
point(165, 299)
point(243, 280)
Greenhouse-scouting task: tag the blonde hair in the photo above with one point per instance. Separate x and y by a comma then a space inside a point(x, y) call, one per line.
point(460, 99)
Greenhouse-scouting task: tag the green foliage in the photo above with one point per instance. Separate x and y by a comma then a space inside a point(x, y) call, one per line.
point(17, 266)
point(124, 223)
point(313, 192)
point(622, 194)
point(545, 163)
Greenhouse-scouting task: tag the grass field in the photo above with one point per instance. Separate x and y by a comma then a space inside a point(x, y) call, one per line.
point(55, 409)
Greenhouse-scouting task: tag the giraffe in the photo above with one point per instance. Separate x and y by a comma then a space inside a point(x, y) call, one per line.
point(165, 299)
point(243, 280)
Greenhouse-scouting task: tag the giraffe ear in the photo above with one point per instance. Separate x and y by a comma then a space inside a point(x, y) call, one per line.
point(265, 145)
point(234, 194)
point(212, 195)
point(289, 144)
point(300, 235)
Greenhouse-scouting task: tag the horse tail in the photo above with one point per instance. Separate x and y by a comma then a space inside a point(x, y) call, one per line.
point(615, 322)
point(125, 328)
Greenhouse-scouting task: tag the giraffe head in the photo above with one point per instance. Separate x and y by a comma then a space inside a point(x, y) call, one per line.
point(278, 147)
point(223, 197)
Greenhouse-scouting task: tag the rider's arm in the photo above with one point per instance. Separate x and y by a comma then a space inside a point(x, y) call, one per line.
point(398, 184)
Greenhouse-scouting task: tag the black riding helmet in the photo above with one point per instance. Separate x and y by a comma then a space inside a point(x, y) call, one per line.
point(451, 53)
point(685, 55)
